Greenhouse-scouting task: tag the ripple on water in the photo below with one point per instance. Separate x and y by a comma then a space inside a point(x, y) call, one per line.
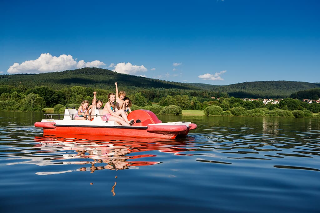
point(226, 166)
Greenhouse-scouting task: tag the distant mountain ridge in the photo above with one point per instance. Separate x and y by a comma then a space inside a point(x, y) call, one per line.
point(103, 78)
point(260, 89)
point(90, 77)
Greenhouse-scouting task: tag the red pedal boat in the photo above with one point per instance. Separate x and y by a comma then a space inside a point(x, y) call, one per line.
point(147, 125)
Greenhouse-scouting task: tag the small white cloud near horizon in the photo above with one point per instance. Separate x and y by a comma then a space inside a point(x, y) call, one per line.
point(177, 64)
point(214, 77)
point(111, 65)
point(153, 69)
point(48, 63)
point(1, 72)
point(128, 68)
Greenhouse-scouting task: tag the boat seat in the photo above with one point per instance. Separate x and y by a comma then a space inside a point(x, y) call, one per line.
point(69, 114)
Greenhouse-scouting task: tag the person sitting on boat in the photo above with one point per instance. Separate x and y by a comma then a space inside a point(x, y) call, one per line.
point(96, 105)
point(114, 113)
point(120, 96)
point(127, 105)
point(83, 111)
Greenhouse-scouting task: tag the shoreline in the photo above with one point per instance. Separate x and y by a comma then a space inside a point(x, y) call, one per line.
point(186, 113)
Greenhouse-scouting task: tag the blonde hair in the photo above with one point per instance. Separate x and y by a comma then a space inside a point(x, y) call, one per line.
point(122, 93)
point(85, 101)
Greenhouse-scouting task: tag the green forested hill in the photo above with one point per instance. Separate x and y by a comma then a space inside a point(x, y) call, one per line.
point(262, 89)
point(90, 77)
point(104, 79)
point(313, 94)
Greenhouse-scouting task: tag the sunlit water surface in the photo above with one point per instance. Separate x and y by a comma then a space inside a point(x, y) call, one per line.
point(226, 165)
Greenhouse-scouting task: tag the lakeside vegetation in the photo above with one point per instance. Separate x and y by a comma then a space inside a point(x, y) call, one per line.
point(98, 78)
point(59, 90)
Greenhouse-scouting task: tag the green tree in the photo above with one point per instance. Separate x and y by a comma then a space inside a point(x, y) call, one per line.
point(213, 110)
point(32, 102)
point(195, 104)
point(182, 101)
point(289, 103)
point(166, 101)
point(139, 99)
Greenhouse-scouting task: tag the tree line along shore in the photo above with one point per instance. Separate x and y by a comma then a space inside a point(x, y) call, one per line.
point(160, 101)
point(58, 90)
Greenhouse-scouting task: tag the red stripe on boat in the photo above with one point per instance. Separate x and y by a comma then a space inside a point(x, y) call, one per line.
point(45, 125)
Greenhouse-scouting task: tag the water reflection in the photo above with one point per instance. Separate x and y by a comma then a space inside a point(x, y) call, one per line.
point(226, 165)
point(95, 153)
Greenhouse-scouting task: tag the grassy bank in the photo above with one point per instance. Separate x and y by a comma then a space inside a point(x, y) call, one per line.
point(48, 110)
point(245, 113)
point(192, 113)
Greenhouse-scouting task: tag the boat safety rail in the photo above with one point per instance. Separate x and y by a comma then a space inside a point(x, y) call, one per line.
point(50, 116)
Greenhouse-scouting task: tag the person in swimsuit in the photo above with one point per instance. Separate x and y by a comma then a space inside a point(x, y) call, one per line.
point(113, 113)
point(120, 96)
point(96, 105)
point(83, 111)
point(127, 105)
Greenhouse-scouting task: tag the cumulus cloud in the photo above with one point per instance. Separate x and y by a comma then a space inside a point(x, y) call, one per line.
point(95, 63)
point(111, 65)
point(214, 77)
point(176, 64)
point(48, 63)
point(128, 68)
point(153, 69)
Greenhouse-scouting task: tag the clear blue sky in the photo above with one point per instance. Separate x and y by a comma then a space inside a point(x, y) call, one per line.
point(227, 41)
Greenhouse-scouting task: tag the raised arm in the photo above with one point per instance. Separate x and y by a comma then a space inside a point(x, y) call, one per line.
point(117, 92)
point(94, 100)
point(92, 108)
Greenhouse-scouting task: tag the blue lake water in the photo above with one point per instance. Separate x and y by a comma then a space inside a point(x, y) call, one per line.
point(228, 164)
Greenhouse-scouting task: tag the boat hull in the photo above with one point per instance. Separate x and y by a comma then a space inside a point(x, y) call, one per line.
point(112, 131)
point(148, 127)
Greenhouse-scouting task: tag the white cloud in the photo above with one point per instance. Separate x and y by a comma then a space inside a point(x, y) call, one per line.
point(153, 69)
point(1, 72)
point(128, 68)
point(48, 63)
point(111, 65)
point(177, 64)
point(174, 69)
point(143, 76)
point(215, 77)
point(95, 63)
